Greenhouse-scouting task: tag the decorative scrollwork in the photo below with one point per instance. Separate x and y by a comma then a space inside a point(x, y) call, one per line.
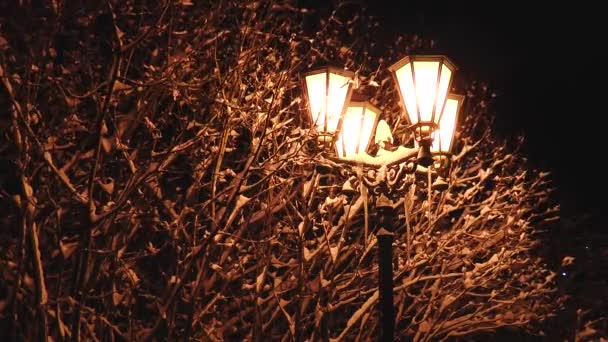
point(386, 174)
point(391, 181)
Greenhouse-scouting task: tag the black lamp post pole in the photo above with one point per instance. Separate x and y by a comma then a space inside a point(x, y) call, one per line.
point(385, 272)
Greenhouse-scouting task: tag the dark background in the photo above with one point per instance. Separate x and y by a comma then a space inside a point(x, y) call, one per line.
point(548, 66)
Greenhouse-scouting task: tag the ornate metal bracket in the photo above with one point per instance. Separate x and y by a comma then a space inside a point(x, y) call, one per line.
point(386, 175)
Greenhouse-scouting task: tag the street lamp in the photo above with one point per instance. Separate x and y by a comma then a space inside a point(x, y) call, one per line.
point(358, 124)
point(441, 149)
point(423, 83)
point(328, 91)
point(442, 142)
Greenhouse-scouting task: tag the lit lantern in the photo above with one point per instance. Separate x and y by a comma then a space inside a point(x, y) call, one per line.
point(444, 135)
point(443, 140)
point(358, 125)
point(328, 90)
point(423, 83)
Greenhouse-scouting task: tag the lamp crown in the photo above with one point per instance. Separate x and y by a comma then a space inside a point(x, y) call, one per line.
point(423, 58)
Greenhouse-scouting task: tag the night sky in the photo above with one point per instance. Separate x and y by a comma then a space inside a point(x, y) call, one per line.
point(546, 63)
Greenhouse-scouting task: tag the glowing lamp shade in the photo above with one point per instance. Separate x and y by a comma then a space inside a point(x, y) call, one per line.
point(358, 125)
point(442, 143)
point(328, 91)
point(423, 83)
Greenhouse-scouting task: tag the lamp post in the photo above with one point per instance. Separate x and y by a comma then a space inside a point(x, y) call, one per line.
point(423, 83)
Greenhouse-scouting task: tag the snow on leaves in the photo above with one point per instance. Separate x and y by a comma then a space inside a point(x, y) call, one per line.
point(166, 177)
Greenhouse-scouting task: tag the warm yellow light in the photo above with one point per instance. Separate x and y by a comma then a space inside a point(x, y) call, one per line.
point(423, 83)
point(316, 97)
point(358, 124)
point(442, 143)
point(328, 91)
point(383, 133)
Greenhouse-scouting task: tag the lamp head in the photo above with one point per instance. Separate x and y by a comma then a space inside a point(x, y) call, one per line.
point(423, 83)
point(327, 92)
